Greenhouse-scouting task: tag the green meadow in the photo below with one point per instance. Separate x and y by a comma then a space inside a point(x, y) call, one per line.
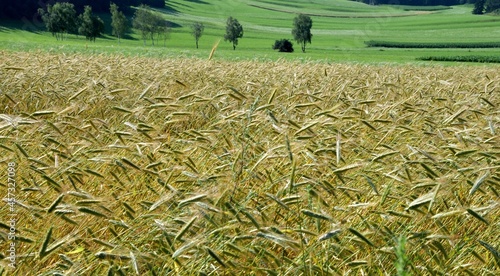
point(340, 29)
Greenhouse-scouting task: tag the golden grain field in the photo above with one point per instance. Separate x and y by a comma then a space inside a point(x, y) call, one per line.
point(138, 166)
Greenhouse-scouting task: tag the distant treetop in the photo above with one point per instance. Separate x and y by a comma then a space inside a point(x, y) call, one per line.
point(20, 9)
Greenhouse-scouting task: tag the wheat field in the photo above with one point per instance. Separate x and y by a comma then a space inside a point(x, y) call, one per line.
point(144, 166)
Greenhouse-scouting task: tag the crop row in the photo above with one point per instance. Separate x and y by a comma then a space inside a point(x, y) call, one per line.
point(480, 59)
point(437, 45)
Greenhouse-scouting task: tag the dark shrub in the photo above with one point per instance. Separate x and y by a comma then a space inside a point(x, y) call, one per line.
point(283, 45)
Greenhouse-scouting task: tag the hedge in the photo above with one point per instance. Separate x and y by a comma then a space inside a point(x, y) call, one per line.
point(482, 59)
point(390, 44)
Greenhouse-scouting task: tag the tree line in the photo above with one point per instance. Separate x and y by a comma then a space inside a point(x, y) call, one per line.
point(61, 19)
point(28, 9)
point(486, 6)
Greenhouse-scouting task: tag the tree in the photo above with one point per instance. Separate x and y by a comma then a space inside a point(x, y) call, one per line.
point(148, 23)
point(283, 45)
point(140, 21)
point(158, 28)
point(119, 22)
point(234, 30)
point(59, 19)
point(162, 30)
point(478, 7)
point(91, 26)
point(301, 31)
point(491, 5)
point(197, 31)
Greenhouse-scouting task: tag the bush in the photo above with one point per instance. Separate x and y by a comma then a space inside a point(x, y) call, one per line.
point(283, 45)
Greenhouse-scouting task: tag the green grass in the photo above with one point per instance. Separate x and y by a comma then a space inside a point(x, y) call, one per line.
point(340, 29)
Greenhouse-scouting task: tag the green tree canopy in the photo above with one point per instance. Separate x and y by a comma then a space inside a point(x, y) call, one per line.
point(91, 26)
point(59, 19)
point(119, 22)
point(301, 31)
point(478, 7)
point(149, 24)
point(491, 5)
point(197, 31)
point(234, 30)
point(140, 21)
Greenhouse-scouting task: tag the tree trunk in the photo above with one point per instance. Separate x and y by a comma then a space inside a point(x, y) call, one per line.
point(196, 43)
point(234, 46)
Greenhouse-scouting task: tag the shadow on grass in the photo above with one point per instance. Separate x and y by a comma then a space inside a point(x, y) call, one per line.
point(172, 24)
point(24, 24)
point(197, 2)
point(169, 9)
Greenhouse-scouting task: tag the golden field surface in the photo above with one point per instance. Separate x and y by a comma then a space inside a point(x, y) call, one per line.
point(144, 166)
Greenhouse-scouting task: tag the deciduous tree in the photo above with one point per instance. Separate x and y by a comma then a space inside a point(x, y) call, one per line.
point(91, 26)
point(478, 7)
point(197, 31)
point(234, 31)
point(162, 30)
point(140, 21)
point(149, 24)
point(119, 22)
point(301, 31)
point(491, 5)
point(59, 19)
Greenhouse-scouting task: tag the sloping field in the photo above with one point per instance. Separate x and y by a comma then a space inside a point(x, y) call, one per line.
point(144, 166)
point(340, 9)
point(340, 30)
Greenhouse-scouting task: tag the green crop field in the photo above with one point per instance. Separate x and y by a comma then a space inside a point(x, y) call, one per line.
point(340, 29)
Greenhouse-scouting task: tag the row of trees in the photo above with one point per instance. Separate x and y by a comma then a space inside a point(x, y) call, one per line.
point(61, 19)
point(27, 9)
point(486, 6)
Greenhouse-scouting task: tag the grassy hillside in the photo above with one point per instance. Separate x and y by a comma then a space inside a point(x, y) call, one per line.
point(148, 166)
point(339, 31)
